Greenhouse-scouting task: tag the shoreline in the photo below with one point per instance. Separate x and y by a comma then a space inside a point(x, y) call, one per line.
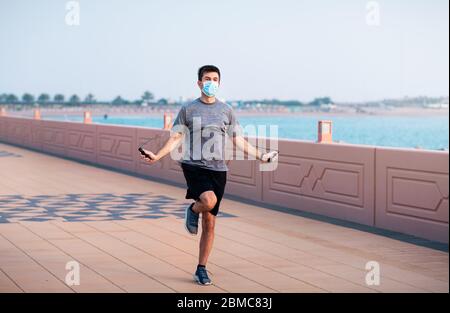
point(121, 112)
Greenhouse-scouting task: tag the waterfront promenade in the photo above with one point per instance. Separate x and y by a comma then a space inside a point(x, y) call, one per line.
point(127, 235)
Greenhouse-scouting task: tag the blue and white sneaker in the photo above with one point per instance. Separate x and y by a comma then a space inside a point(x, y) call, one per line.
point(191, 220)
point(201, 276)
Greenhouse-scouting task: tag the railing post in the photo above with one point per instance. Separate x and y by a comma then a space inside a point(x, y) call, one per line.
point(37, 114)
point(167, 121)
point(325, 132)
point(87, 117)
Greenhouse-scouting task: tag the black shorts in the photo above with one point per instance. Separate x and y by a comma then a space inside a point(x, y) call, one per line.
point(200, 180)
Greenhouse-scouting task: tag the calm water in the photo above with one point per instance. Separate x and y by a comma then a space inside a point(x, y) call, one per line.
point(392, 131)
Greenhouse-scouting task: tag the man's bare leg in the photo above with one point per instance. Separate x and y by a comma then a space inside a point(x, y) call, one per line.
point(206, 203)
point(207, 238)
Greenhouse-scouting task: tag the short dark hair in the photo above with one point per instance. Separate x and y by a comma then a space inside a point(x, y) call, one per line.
point(207, 69)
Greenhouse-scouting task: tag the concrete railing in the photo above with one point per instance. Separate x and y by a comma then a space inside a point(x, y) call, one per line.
point(402, 190)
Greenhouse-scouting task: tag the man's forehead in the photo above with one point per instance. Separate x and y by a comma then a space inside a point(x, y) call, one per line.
point(211, 75)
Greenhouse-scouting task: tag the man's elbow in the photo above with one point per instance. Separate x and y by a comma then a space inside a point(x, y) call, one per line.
point(177, 136)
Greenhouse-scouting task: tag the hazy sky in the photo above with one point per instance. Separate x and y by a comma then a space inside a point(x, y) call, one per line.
point(287, 49)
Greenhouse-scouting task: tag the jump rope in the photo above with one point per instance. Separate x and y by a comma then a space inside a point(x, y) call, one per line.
point(273, 156)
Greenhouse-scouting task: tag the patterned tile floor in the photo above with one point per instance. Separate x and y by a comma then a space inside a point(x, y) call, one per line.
point(5, 154)
point(89, 207)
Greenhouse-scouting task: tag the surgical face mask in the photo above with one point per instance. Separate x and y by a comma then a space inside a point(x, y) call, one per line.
point(210, 88)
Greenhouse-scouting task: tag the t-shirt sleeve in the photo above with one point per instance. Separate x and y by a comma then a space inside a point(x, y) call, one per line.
point(181, 118)
point(234, 128)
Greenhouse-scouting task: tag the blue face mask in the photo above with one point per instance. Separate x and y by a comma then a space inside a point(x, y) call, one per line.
point(210, 88)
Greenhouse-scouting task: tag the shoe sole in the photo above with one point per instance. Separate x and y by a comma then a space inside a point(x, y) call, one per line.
point(198, 281)
point(185, 222)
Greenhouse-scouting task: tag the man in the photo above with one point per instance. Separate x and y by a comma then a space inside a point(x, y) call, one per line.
point(206, 122)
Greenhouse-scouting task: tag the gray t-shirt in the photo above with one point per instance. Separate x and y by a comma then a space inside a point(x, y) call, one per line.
point(208, 125)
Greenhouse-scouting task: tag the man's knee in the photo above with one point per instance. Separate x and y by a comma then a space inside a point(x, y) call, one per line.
point(208, 200)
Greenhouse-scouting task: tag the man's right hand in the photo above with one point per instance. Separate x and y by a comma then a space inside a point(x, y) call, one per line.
point(153, 157)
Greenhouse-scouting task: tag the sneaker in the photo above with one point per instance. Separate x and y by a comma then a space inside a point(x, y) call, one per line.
point(191, 220)
point(201, 276)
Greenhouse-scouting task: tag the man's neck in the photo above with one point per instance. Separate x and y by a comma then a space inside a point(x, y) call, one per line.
point(207, 100)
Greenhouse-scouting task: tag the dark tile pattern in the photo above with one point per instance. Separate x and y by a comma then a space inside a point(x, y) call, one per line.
point(90, 207)
point(6, 154)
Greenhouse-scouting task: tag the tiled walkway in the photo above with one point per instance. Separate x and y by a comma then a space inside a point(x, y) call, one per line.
point(127, 235)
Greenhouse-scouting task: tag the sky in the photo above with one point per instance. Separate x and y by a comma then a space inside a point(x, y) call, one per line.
point(350, 50)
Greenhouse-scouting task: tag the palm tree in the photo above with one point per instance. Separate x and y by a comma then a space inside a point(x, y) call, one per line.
point(163, 101)
point(28, 98)
point(321, 101)
point(74, 100)
point(59, 98)
point(147, 97)
point(119, 101)
point(12, 98)
point(89, 99)
point(3, 97)
point(43, 98)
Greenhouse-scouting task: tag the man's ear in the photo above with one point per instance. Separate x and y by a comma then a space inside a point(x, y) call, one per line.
point(199, 83)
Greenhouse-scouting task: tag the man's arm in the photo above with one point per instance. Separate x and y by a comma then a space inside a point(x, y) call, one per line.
point(173, 141)
point(247, 147)
point(168, 147)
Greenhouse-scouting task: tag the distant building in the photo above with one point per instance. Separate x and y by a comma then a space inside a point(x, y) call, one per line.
point(329, 106)
point(437, 106)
